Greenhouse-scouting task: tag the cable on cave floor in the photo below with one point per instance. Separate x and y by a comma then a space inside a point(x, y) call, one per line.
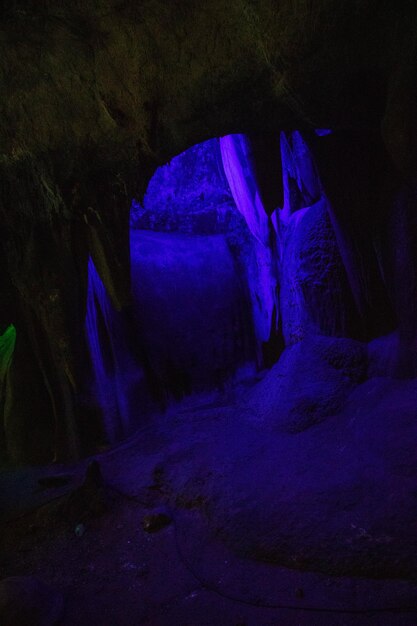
point(213, 589)
point(261, 605)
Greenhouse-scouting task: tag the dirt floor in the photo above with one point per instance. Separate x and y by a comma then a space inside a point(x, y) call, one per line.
point(93, 544)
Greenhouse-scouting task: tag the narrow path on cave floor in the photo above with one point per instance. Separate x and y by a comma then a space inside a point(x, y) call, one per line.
point(116, 573)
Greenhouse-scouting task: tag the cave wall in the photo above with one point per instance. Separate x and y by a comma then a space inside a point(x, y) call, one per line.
point(188, 195)
point(193, 314)
point(190, 250)
point(97, 94)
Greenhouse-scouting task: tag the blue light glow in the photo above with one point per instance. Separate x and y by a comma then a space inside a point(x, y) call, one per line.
point(211, 271)
point(262, 276)
point(111, 358)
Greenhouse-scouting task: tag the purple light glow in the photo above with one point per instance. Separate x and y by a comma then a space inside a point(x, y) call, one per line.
point(110, 356)
point(299, 174)
point(236, 156)
point(210, 269)
point(262, 278)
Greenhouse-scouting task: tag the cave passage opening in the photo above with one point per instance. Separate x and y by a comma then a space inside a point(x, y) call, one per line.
point(240, 248)
point(233, 258)
point(190, 248)
point(198, 323)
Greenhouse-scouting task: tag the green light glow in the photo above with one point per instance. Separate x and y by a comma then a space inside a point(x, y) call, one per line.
point(7, 343)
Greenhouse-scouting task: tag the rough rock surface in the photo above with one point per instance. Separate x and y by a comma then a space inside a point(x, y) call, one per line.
point(314, 293)
point(193, 315)
point(309, 383)
point(189, 195)
point(27, 601)
point(335, 493)
point(96, 95)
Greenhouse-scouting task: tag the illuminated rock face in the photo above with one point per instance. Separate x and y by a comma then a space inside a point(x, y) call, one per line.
point(193, 265)
point(192, 311)
point(119, 90)
point(190, 329)
point(215, 278)
point(188, 195)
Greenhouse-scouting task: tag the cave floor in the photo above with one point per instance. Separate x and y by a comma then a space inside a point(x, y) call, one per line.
point(185, 574)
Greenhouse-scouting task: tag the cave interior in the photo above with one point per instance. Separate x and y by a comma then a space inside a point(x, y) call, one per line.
point(208, 313)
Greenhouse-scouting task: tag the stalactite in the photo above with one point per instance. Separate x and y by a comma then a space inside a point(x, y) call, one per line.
point(240, 173)
point(314, 293)
point(360, 182)
point(113, 364)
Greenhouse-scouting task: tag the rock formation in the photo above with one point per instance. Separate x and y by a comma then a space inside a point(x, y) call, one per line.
point(96, 95)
